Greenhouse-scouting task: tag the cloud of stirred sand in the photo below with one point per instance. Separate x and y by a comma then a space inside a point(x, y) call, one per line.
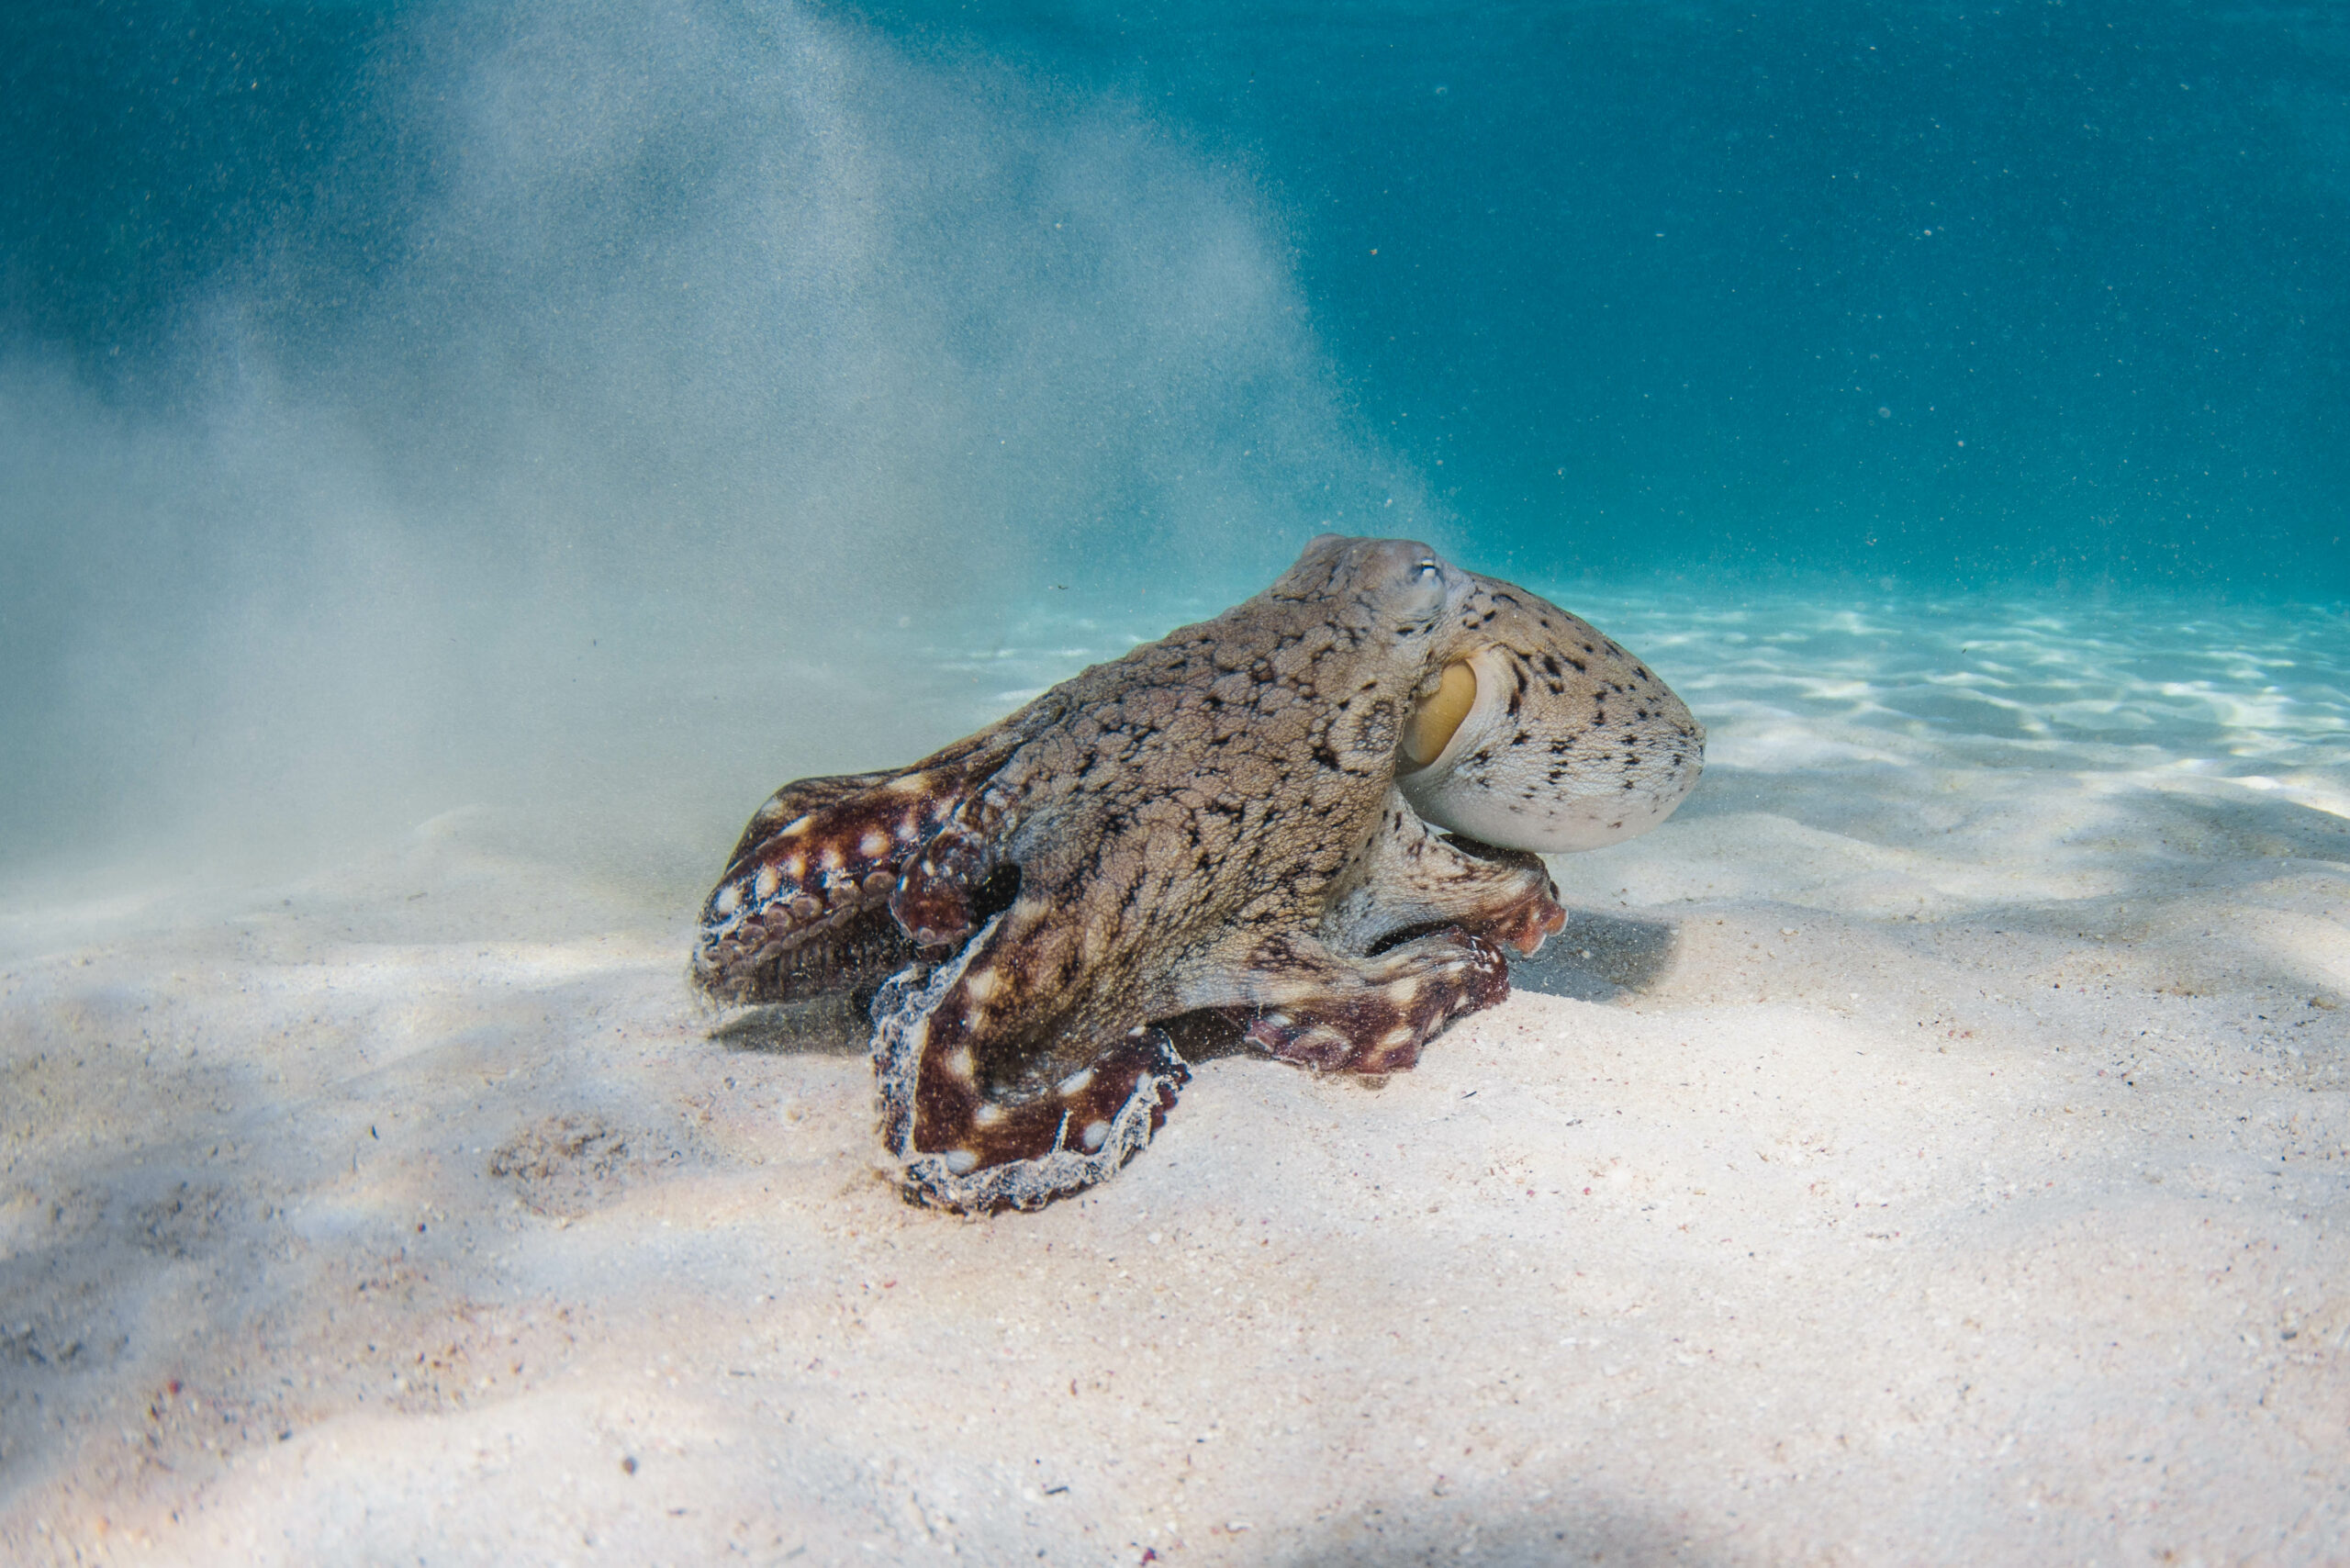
point(719, 355)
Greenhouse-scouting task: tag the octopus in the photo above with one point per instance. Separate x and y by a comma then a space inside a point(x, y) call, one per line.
point(1307, 828)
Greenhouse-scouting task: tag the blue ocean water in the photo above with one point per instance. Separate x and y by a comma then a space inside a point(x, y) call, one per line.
point(1964, 292)
point(408, 403)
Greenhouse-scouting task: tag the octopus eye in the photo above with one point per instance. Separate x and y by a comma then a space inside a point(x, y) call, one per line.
point(1428, 569)
point(1438, 714)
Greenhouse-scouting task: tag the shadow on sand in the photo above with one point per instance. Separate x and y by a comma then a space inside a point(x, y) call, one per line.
point(1462, 1529)
point(1598, 958)
point(825, 1025)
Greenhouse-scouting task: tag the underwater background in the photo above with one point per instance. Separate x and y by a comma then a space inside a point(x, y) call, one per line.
point(606, 410)
point(456, 459)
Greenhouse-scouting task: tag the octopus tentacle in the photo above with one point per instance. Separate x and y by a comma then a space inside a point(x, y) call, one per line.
point(935, 894)
point(965, 1148)
point(823, 854)
point(1414, 874)
point(1335, 1012)
point(799, 799)
point(821, 861)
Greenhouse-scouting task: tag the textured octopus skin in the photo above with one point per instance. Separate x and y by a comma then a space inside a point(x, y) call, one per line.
point(1216, 830)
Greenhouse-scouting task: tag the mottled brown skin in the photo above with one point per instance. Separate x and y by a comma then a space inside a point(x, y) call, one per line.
point(1207, 828)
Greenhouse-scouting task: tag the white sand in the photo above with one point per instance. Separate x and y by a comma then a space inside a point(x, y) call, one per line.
point(1939, 1154)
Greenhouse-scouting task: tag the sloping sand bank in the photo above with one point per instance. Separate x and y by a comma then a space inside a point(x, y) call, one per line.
point(1933, 1145)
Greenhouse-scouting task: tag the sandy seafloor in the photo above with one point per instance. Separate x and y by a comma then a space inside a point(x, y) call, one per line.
point(1933, 1146)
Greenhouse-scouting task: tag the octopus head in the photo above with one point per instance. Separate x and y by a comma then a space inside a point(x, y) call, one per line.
point(1534, 730)
point(1397, 589)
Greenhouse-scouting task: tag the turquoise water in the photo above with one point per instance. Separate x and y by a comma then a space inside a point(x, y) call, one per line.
point(404, 405)
point(455, 459)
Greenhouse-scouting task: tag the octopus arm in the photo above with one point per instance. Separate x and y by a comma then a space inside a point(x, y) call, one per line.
point(973, 1140)
point(800, 798)
point(1294, 997)
point(819, 869)
point(1413, 875)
